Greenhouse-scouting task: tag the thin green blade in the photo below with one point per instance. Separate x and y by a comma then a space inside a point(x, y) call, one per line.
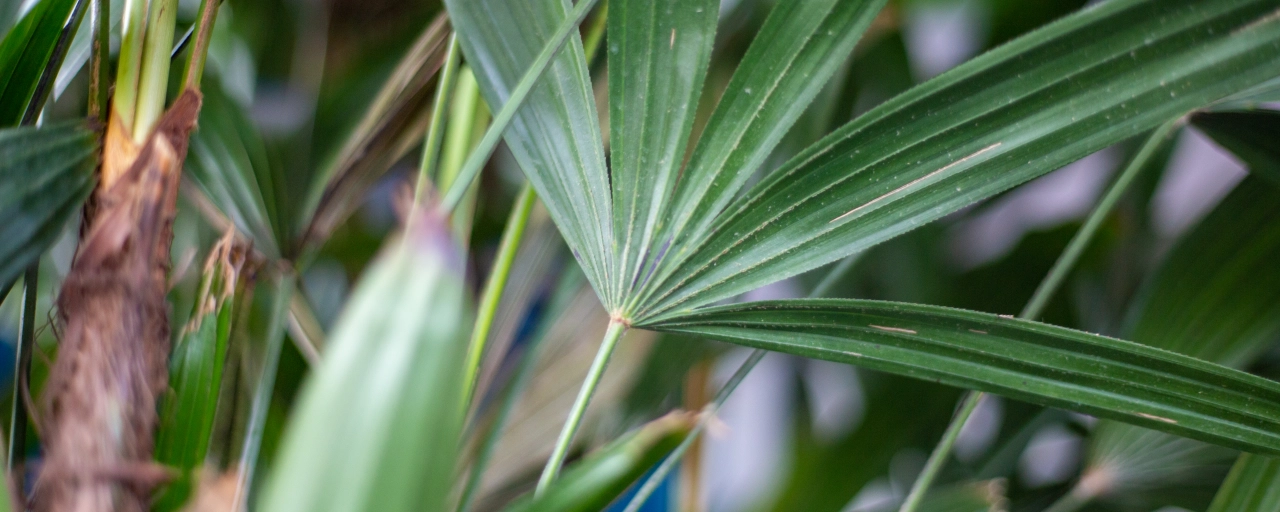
point(1028, 107)
point(45, 175)
point(658, 56)
point(1021, 359)
point(799, 47)
point(555, 136)
point(377, 425)
point(24, 53)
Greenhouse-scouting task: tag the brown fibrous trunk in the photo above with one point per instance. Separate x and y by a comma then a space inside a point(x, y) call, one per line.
point(100, 401)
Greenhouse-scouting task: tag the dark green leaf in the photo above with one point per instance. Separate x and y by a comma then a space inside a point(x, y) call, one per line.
point(1062, 92)
point(799, 47)
point(195, 376)
point(555, 136)
point(1017, 358)
point(658, 55)
point(1254, 137)
point(377, 424)
point(45, 175)
point(24, 53)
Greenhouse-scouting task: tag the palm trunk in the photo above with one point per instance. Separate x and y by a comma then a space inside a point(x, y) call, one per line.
point(112, 364)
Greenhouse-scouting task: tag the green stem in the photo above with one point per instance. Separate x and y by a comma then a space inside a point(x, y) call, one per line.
point(265, 388)
point(435, 130)
point(100, 61)
point(1040, 299)
point(493, 288)
point(552, 469)
point(129, 67)
point(207, 14)
point(1070, 502)
point(154, 79)
point(942, 451)
point(489, 143)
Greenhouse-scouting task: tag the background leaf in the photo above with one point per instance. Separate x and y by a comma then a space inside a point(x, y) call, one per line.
point(1251, 136)
point(45, 175)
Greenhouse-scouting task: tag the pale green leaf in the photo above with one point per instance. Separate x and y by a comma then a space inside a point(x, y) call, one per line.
point(377, 424)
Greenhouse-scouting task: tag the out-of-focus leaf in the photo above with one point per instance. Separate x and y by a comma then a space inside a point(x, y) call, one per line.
point(824, 480)
point(985, 496)
point(228, 162)
point(1254, 137)
point(599, 478)
point(393, 124)
point(658, 55)
point(799, 47)
point(377, 425)
point(555, 136)
point(1062, 92)
point(1252, 486)
point(24, 53)
point(195, 375)
point(1021, 359)
point(45, 175)
point(1217, 298)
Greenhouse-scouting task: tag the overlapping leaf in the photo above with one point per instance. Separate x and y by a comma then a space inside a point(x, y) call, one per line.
point(24, 53)
point(555, 136)
point(658, 55)
point(1021, 359)
point(1066, 90)
point(45, 175)
point(377, 425)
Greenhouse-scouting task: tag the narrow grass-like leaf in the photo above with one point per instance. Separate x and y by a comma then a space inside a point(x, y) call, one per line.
point(799, 47)
point(195, 375)
point(1252, 485)
point(45, 175)
point(377, 425)
point(658, 56)
point(555, 135)
point(1253, 136)
point(24, 53)
point(1055, 95)
point(1021, 359)
point(228, 161)
point(393, 124)
point(599, 479)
